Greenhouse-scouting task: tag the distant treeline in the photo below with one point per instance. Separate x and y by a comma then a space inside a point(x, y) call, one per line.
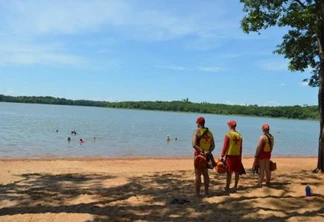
point(291, 112)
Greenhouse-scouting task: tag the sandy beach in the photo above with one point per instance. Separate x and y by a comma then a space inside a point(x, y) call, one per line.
point(147, 189)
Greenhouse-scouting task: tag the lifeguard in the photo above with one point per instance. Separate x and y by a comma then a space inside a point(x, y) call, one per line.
point(232, 151)
point(203, 143)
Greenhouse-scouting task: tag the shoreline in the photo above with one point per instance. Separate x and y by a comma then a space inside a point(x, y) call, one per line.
point(133, 158)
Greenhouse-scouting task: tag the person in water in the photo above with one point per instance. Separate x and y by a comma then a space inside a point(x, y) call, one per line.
point(69, 139)
point(232, 151)
point(263, 154)
point(81, 141)
point(203, 144)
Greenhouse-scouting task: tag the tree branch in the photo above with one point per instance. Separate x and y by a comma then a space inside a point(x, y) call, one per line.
point(321, 11)
point(300, 3)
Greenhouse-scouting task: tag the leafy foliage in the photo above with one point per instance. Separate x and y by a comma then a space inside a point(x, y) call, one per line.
point(303, 44)
point(300, 44)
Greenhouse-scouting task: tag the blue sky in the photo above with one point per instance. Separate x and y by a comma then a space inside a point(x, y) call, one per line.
point(135, 50)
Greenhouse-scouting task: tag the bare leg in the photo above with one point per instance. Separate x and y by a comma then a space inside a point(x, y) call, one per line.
point(206, 180)
point(228, 180)
point(198, 181)
point(262, 170)
point(237, 176)
point(267, 171)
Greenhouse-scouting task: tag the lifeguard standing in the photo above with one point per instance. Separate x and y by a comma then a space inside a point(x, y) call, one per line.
point(263, 154)
point(203, 143)
point(232, 151)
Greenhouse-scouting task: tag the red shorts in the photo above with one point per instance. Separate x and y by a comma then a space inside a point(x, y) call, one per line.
point(264, 155)
point(234, 164)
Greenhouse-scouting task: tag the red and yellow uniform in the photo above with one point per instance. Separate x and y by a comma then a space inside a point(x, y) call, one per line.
point(232, 148)
point(205, 142)
point(265, 152)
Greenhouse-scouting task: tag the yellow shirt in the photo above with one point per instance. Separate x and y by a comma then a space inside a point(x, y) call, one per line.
point(235, 140)
point(205, 141)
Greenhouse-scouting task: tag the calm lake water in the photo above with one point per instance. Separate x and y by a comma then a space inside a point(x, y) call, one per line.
point(35, 131)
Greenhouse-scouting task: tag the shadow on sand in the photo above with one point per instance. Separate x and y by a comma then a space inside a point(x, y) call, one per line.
point(149, 197)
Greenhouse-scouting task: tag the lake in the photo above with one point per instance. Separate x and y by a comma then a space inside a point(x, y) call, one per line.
point(37, 131)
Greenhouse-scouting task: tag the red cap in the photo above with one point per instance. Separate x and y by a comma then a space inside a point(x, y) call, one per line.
point(201, 120)
point(265, 127)
point(231, 123)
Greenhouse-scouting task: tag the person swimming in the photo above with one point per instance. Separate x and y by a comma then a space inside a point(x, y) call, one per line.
point(168, 138)
point(81, 141)
point(69, 139)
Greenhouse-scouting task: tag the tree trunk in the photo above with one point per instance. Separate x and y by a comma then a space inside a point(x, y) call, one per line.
point(320, 163)
point(320, 31)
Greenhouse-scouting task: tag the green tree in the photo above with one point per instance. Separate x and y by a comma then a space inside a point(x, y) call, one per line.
point(302, 45)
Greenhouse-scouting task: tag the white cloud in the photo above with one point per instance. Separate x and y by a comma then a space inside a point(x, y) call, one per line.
point(66, 17)
point(39, 23)
point(303, 84)
point(29, 54)
point(204, 69)
point(273, 65)
point(135, 20)
point(204, 43)
point(211, 69)
point(69, 17)
point(178, 68)
point(227, 102)
point(233, 55)
point(271, 103)
point(43, 59)
point(9, 91)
